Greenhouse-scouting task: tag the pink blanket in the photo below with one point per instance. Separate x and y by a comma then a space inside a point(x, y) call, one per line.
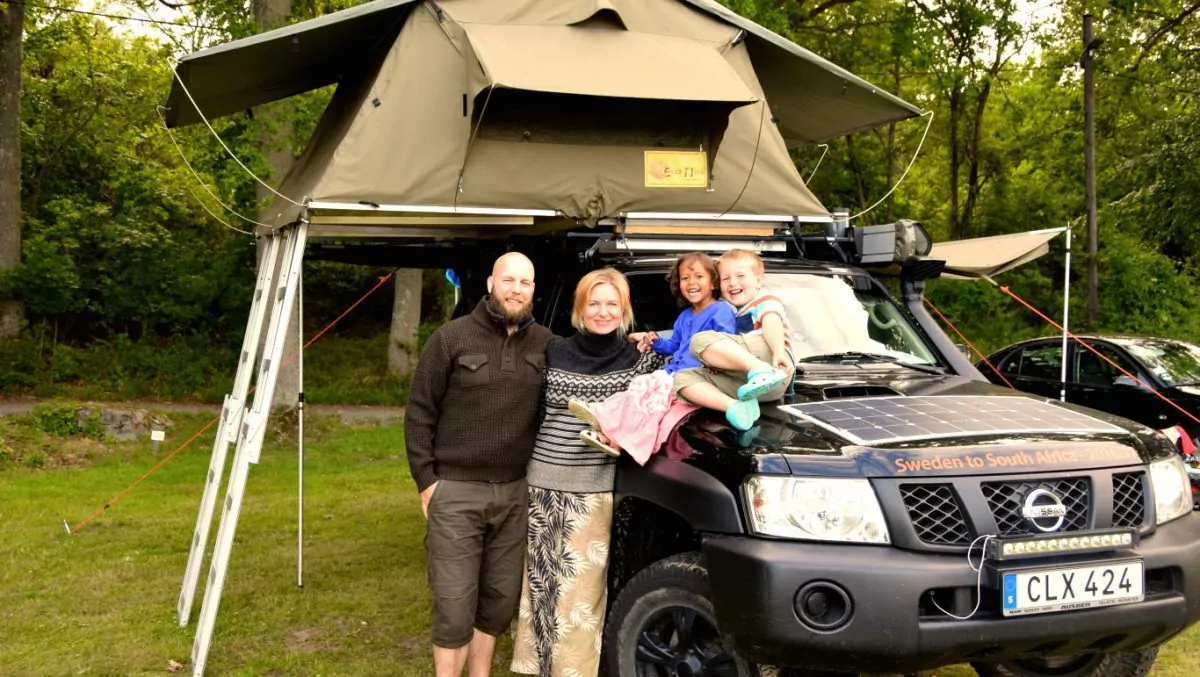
point(639, 419)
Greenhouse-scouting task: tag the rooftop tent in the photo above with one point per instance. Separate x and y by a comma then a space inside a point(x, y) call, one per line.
point(582, 110)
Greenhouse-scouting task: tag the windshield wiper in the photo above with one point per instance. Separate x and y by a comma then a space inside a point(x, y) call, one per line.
point(873, 357)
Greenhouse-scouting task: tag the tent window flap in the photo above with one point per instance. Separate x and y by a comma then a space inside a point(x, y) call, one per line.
point(572, 85)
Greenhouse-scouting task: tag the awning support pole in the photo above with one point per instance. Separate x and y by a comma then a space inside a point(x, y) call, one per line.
point(1062, 393)
point(300, 416)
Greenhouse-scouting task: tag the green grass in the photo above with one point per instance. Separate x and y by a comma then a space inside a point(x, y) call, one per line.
point(102, 602)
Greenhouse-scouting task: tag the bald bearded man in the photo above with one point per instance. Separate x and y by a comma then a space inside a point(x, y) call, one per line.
point(469, 430)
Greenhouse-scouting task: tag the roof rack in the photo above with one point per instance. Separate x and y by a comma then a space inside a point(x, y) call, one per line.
point(818, 237)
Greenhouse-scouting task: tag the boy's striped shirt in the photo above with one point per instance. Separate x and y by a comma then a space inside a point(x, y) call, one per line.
point(750, 317)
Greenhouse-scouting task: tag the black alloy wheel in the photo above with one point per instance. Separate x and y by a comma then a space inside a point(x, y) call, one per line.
point(662, 624)
point(681, 642)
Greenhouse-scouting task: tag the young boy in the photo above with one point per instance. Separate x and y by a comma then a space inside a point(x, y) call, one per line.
point(754, 364)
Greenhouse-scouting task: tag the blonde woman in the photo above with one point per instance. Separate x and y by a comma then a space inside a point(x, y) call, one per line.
point(561, 617)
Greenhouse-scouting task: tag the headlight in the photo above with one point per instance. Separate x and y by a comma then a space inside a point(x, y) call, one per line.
point(816, 509)
point(1172, 490)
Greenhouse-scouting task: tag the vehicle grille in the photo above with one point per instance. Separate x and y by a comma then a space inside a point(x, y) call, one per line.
point(1129, 499)
point(935, 514)
point(1004, 499)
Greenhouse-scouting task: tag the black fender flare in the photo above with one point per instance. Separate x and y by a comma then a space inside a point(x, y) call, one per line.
point(697, 497)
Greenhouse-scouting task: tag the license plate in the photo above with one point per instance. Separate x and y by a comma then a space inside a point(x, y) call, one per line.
point(1036, 591)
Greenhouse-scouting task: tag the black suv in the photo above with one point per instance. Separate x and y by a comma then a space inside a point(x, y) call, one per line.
point(895, 512)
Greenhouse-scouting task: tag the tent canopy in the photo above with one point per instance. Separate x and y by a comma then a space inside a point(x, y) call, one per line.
point(812, 99)
point(559, 112)
point(982, 257)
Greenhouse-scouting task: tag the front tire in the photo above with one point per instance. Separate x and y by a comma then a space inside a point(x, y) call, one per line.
point(663, 623)
point(1117, 664)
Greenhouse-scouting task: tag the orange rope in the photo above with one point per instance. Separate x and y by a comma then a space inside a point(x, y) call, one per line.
point(337, 319)
point(286, 359)
point(1083, 343)
point(968, 342)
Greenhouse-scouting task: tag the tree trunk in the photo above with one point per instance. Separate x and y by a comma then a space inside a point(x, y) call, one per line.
point(891, 146)
point(274, 119)
point(956, 232)
point(856, 170)
point(12, 29)
point(975, 159)
point(406, 318)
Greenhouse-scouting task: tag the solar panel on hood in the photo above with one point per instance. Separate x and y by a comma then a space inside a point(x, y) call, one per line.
point(879, 420)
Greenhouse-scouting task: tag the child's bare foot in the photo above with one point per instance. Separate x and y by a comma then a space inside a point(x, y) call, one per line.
point(599, 441)
point(583, 412)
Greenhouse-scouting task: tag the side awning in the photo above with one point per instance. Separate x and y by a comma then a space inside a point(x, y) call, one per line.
point(989, 256)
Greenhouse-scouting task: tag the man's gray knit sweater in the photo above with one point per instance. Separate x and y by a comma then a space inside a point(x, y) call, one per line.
point(590, 368)
point(473, 405)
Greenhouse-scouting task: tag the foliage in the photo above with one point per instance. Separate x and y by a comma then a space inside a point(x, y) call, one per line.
point(60, 419)
point(115, 243)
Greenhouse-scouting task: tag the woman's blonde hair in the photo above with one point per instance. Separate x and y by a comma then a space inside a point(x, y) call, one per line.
point(594, 279)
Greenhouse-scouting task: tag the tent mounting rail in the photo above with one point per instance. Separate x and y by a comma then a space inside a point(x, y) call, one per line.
point(314, 206)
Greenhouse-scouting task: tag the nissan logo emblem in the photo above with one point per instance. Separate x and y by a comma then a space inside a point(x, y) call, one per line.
point(1044, 510)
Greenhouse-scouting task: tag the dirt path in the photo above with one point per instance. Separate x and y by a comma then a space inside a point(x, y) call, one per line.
point(348, 413)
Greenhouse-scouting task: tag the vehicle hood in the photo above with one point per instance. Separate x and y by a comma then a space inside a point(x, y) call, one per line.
point(783, 443)
point(1189, 393)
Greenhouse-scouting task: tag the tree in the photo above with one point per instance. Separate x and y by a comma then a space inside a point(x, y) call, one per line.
point(406, 319)
point(12, 29)
point(973, 42)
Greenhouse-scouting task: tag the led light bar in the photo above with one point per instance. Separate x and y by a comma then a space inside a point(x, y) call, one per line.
point(1001, 549)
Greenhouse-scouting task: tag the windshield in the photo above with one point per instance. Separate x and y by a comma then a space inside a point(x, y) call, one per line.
point(1175, 363)
point(828, 316)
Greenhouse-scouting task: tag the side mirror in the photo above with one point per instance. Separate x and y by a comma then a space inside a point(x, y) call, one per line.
point(962, 348)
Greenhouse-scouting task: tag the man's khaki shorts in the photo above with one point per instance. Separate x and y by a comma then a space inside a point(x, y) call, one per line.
point(727, 382)
point(475, 556)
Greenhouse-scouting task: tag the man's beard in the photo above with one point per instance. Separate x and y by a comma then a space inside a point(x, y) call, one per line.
point(515, 317)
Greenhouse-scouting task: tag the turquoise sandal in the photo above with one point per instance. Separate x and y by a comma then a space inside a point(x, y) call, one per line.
point(760, 382)
point(742, 414)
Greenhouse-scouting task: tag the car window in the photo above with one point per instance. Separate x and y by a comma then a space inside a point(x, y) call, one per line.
point(1040, 362)
point(1175, 363)
point(1092, 370)
point(827, 313)
point(654, 306)
point(1010, 364)
point(830, 314)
